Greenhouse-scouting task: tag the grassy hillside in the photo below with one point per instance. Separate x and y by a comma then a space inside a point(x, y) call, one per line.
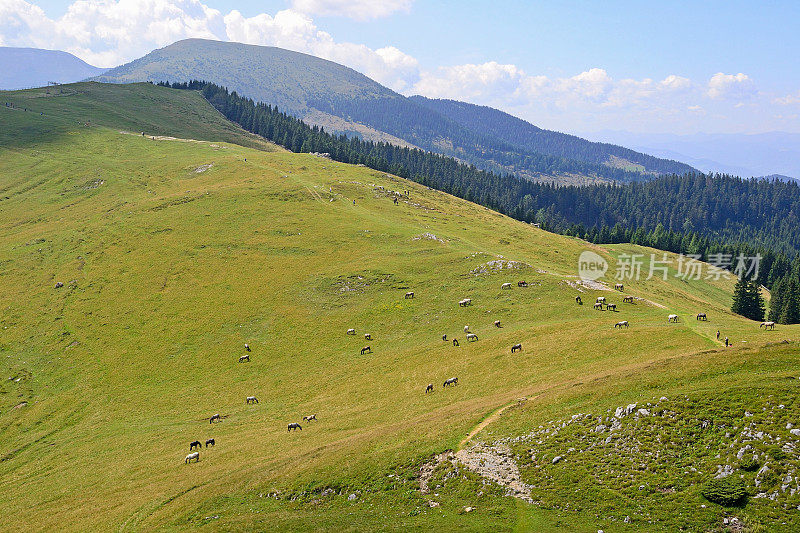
point(174, 254)
point(339, 98)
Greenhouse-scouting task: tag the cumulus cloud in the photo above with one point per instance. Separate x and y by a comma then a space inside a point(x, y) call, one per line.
point(731, 86)
point(354, 9)
point(789, 99)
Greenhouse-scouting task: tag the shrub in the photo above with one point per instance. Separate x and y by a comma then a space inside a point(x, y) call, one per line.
point(749, 464)
point(724, 491)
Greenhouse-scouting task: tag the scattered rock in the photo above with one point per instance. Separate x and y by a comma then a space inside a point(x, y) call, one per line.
point(353, 497)
point(557, 459)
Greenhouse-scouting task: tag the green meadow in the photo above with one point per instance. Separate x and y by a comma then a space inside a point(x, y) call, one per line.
point(177, 247)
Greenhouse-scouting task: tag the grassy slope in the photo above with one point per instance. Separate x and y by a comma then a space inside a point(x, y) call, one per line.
point(174, 270)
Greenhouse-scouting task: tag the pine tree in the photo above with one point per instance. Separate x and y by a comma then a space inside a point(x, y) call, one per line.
point(790, 314)
point(747, 300)
point(776, 301)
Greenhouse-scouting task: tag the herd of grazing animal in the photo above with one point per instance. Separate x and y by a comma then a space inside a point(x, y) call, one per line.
point(471, 337)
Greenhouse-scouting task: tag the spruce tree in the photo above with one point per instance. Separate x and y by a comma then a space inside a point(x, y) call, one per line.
point(776, 301)
point(790, 314)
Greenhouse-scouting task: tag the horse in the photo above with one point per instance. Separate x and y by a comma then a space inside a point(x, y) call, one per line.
point(210, 442)
point(410, 294)
point(598, 305)
point(244, 358)
point(366, 349)
point(621, 324)
point(294, 425)
point(429, 388)
point(522, 284)
point(701, 316)
point(351, 331)
point(601, 299)
point(471, 337)
point(516, 348)
point(672, 318)
point(497, 324)
point(505, 286)
point(367, 336)
point(215, 417)
point(578, 300)
point(767, 325)
point(465, 302)
point(628, 299)
point(466, 329)
point(246, 347)
point(455, 342)
point(444, 337)
point(611, 307)
point(619, 286)
point(451, 381)
point(195, 444)
point(195, 456)
point(251, 399)
point(309, 418)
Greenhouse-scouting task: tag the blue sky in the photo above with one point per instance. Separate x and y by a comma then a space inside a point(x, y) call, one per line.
point(678, 67)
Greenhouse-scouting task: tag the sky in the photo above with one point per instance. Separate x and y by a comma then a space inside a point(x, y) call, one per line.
point(574, 66)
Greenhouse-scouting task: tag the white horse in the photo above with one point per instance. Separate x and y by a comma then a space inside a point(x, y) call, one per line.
point(672, 318)
point(497, 324)
point(471, 337)
point(601, 300)
point(195, 456)
point(621, 324)
point(367, 336)
point(251, 399)
point(466, 329)
point(409, 295)
point(465, 302)
point(767, 325)
point(505, 286)
point(351, 331)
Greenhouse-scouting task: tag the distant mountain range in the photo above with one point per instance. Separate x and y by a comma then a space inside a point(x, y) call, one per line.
point(22, 68)
point(344, 101)
point(743, 155)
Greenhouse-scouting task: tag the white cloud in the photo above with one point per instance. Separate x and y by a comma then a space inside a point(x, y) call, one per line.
point(470, 81)
point(789, 99)
point(354, 9)
point(731, 86)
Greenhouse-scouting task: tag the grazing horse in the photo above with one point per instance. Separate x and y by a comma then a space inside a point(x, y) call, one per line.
point(455, 342)
point(522, 284)
point(505, 286)
point(611, 307)
point(351, 331)
point(471, 337)
point(451, 381)
point(621, 324)
point(672, 318)
point(195, 444)
point(366, 349)
point(578, 300)
point(210, 442)
point(246, 347)
point(429, 388)
point(367, 336)
point(215, 417)
point(601, 299)
point(309, 418)
point(619, 286)
point(444, 337)
point(701, 316)
point(195, 456)
point(410, 294)
point(466, 329)
point(465, 302)
point(516, 348)
point(244, 358)
point(767, 325)
point(497, 324)
point(294, 425)
point(628, 299)
point(251, 399)
point(598, 305)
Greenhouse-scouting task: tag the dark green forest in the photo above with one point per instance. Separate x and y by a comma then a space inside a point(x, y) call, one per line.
point(524, 135)
point(694, 214)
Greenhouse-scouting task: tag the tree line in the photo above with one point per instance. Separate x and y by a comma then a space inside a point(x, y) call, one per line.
point(698, 214)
